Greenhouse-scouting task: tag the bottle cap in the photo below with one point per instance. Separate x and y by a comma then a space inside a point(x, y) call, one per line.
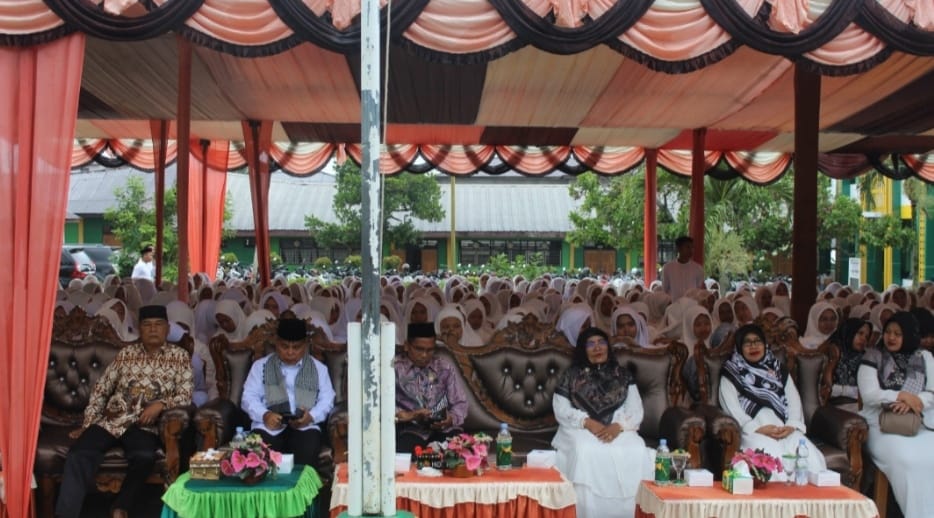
point(663, 442)
point(503, 426)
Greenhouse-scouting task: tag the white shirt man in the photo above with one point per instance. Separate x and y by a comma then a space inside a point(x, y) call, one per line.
point(682, 273)
point(145, 268)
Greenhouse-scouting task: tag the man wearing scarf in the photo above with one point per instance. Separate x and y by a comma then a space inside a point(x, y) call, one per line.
point(288, 395)
point(144, 379)
point(431, 404)
point(757, 391)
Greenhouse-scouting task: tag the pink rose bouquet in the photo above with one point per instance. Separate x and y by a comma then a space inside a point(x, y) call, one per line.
point(761, 465)
point(251, 459)
point(466, 449)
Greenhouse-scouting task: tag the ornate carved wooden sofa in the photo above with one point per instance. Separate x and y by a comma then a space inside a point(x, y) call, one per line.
point(838, 434)
point(82, 348)
point(513, 377)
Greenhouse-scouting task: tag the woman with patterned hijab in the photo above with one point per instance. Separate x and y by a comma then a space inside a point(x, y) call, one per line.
point(853, 339)
point(756, 390)
point(599, 410)
point(898, 374)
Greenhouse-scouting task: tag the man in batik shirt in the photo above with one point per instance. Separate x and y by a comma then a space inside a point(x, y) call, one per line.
point(144, 379)
point(430, 401)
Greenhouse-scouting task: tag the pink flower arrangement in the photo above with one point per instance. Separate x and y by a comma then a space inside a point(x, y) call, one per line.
point(466, 449)
point(761, 464)
point(252, 458)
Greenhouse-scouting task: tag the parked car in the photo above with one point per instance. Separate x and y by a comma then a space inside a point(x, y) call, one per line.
point(75, 264)
point(103, 257)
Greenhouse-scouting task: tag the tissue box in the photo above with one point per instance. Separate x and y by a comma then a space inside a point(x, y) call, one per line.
point(206, 465)
point(734, 483)
point(403, 462)
point(698, 477)
point(824, 478)
point(541, 459)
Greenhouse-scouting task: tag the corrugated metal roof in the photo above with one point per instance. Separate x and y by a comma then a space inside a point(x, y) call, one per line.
point(512, 205)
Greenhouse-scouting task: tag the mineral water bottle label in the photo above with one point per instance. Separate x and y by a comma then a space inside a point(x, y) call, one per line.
point(503, 454)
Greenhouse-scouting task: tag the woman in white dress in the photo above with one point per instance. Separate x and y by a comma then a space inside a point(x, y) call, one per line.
point(756, 390)
point(899, 374)
point(599, 411)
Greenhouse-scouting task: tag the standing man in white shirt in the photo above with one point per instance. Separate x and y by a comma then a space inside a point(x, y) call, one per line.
point(682, 274)
point(288, 395)
point(145, 268)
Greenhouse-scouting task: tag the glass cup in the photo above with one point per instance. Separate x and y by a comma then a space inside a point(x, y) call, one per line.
point(788, 465)
point(679, 461)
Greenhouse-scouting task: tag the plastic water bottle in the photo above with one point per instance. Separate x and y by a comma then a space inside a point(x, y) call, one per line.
point(503, 448)
point(662, 463)
point(239, 438)
point(801, 464)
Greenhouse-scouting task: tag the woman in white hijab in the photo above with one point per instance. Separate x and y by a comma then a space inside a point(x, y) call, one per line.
point(451, 328)
point(492, 308)
point(476, 319)
point(627, 326)
point(259, 318)
point(695, 332)
point(126, 331)
point(822, 322)
point(230, 320)
point(573, 320)
point(745, 310)
point(420, 310)
point(315, 318)
point(117, 324)
point(181, 315)
point(603, 312)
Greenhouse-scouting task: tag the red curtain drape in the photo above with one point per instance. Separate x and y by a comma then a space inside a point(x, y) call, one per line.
point(206, 193)
point(256, 137)
point(39, 89)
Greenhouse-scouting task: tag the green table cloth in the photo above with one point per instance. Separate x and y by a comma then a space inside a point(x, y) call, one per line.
point(285, 496)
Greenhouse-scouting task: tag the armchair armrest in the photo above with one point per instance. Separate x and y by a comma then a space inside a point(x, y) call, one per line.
point(723, 429)
point(337, 431)
point(686, 430)
point(216, 420)
point(844, 430)
point(172, 424)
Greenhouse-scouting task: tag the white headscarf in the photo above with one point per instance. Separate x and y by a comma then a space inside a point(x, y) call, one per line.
point(572, 319)
point(231, 309)
point(688, 337)
point(486, 330)
point(468, 337)
point(642, 329)
point(813, 338)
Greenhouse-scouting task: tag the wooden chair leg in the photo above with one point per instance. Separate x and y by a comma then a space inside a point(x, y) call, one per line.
point(881, 492)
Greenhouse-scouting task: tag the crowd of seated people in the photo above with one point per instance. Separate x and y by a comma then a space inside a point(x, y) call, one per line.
point(463, 312)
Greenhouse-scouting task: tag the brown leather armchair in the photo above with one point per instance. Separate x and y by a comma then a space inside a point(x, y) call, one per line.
point(661, 386)
point(82, 348)
point(838, 434)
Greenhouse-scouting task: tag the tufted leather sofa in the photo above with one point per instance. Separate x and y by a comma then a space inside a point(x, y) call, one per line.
point(838, 434)
point(82, 348)
point(513, 377)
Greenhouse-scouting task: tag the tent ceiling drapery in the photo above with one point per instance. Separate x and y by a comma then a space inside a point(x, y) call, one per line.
point(586, 75)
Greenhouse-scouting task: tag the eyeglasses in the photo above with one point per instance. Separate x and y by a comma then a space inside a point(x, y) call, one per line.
point(752, 342)
point(594, 343)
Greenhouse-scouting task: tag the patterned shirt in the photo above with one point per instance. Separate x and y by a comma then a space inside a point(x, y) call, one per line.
point(435, 386)
point(135, 379)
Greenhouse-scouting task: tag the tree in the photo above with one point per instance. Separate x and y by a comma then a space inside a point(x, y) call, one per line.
point(406, 197)
point(612, 208)
point(726, 255)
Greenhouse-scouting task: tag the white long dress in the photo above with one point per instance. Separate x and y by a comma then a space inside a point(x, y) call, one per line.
point(606, 476)
point(729, 401)
point(907, 462)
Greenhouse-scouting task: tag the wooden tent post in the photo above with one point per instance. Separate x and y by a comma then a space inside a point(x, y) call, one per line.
point(804, 231)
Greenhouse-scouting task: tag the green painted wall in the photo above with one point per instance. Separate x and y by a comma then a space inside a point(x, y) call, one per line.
point(442, 254)
point(875, 262)
point(565, 254)
point(622, 259)
point(898, 255)
point(579, 257)
point(71, 232)
point(236, 246)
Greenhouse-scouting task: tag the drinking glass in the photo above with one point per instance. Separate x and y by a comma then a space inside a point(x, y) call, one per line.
point(788, 464)
point(678, 462)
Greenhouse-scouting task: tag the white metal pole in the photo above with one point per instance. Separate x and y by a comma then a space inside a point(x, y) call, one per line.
point(387, 379)
point(354, 415)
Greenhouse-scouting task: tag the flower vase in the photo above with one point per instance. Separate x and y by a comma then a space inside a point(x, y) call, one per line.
point(461, 471)
point(254, 479)
point(759, 483)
